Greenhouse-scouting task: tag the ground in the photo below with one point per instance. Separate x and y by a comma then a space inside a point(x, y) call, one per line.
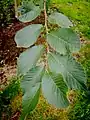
point(80, 16)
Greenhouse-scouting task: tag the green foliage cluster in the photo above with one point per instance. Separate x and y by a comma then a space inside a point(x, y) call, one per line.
point(49, 65)
point(6, 12)
point(80, 110)
point(7, 95)
point(80, 16)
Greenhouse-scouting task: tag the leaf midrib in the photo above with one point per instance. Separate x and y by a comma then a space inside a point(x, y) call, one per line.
point(64, 67)
point(56, 85)
point(60, 38)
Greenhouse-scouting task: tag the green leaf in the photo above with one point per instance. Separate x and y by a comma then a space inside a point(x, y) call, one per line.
point(47, 4)
point(54, 90)
point(40, 3)
point(71, 70)
point(60, 19)
point(26, 6)
point(28, 35)
point(64, 38)
point(29, 58)
point(29, 16)
point(31, 85)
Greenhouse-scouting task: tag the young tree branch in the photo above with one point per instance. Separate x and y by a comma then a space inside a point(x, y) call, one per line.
point(16, 7)
point(45, 13)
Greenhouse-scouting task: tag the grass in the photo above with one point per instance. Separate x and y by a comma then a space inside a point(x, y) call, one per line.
point(45, 111)
point(78, 12)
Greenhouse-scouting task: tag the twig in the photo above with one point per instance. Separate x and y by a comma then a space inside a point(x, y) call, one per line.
point(16, 12)
point(45, 13)
point(46, 28)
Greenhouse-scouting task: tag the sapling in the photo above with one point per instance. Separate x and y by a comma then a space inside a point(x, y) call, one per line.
point(48, 66)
